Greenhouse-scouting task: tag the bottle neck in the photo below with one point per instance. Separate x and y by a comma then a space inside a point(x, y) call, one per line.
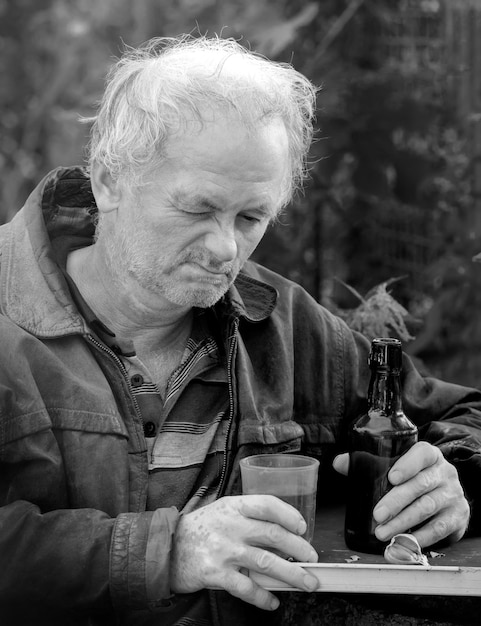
point(384, 395)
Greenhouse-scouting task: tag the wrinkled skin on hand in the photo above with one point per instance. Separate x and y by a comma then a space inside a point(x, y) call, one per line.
point(215, 545)
point(426, 492)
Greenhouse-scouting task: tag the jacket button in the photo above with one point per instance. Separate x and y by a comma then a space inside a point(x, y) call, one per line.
point(137, 380)
point(149, 429)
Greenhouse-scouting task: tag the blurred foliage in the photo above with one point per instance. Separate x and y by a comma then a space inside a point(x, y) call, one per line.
point(54, 57)
point(378, 314)
point(391, 175)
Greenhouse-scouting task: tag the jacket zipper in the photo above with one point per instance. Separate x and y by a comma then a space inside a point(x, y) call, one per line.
point(230, 358)
point(121, 366)
point(213, 595)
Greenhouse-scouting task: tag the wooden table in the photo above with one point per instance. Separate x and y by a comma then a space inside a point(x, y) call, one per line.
point(456, 571)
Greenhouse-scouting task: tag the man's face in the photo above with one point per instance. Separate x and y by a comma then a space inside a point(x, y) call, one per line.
point(184, 237)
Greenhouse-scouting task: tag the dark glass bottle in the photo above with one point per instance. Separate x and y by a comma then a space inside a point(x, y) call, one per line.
point(376, 440)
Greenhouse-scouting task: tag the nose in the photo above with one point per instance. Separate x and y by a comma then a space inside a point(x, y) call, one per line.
point(221, 242)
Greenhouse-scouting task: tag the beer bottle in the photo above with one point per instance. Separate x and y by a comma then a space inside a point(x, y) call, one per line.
point(376, 440)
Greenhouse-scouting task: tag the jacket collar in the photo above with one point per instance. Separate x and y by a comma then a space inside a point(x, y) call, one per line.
point(250, 298)
point(33, 289)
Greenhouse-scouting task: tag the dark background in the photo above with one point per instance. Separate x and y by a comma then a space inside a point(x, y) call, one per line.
point(394, 189)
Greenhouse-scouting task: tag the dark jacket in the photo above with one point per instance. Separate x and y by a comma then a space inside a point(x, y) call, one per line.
point(75, 537)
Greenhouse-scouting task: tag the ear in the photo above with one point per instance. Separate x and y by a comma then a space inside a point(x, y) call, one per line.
point(106, 190)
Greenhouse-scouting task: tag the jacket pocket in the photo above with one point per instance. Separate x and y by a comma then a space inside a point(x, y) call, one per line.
point(15, 427)
point(283, 436)
point(65, 458)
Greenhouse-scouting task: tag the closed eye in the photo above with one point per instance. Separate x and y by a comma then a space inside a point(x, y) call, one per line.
point(194, 212)
point(251, 218)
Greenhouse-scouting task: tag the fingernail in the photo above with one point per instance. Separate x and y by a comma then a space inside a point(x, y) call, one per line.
point(395, 477)
point(301, 529)
point(382, 534)
point(380, 514)
point(274, 604)
point(310, 583)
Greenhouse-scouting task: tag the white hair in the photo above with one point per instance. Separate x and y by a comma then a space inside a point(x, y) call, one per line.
point(152, 91)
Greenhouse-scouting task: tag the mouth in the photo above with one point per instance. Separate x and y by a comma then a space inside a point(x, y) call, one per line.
point(206, 274)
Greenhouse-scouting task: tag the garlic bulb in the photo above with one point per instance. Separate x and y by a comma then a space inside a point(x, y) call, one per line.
point(405, 550)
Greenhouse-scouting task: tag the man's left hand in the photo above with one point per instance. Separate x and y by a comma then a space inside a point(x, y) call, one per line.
point(426, 496)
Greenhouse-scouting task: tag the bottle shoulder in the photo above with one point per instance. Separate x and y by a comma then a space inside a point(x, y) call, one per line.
point(378, 422)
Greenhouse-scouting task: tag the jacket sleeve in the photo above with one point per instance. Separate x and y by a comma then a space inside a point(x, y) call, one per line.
point(447, 415)
point(82, 560)
point(140, 559)
point(48, 556)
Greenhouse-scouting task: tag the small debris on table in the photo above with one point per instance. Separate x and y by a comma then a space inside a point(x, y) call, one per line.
point(352, 559)
point(435, 555)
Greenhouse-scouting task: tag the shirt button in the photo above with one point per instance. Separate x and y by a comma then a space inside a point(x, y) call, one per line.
point(137, 380)
point(149, 429)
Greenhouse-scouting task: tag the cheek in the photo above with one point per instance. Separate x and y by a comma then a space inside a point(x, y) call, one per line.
point(167, 238)
point(250, 241)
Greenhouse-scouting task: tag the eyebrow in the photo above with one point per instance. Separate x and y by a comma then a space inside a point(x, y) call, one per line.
point(206, 203)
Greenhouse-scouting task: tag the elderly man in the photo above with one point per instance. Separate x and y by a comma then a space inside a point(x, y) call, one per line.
point(143, 356)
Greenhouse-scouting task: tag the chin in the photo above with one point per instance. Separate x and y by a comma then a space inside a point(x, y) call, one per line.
point(200, 298)
point(204, 302)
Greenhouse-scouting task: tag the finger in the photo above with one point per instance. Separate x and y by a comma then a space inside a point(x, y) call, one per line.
point(421, 510)
point(437, 485)
point(275, 537)
point(418, 457)
point(272, 565)
point(271, 509)
point(241, 586)
point(450, 523)
point(403, 496)
point(445, 505)
point(341, 463)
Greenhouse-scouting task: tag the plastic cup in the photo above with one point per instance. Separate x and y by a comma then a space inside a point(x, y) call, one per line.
point(290, 477)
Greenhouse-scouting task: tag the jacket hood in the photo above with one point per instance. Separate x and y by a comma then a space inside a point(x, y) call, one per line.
point(33, 289)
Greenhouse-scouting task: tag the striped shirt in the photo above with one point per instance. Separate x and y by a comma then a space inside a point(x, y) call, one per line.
point(186, 434)
point(186, 430)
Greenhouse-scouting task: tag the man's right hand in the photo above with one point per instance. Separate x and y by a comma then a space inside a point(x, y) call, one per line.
point(216, 545)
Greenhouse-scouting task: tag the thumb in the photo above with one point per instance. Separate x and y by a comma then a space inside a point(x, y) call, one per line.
point(341, 463)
